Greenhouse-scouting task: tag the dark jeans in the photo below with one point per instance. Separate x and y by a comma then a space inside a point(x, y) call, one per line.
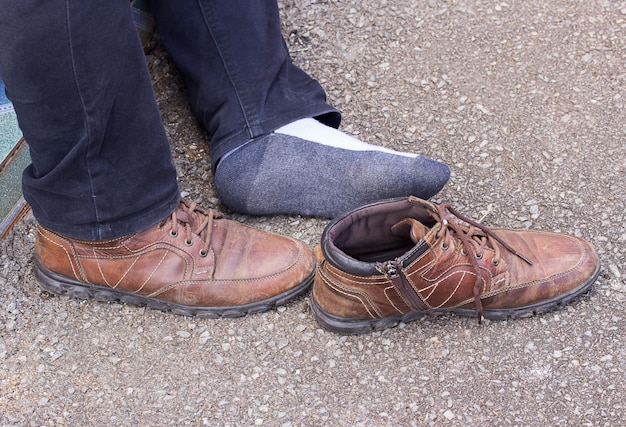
point(76, 74)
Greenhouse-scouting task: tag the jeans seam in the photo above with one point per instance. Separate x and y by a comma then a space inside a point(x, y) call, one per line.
point(82, 102)
point(226, 69)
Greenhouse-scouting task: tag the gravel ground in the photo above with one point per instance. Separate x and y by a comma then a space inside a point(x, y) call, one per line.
point(525, 101)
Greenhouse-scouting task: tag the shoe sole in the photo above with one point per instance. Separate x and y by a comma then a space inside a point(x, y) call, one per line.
point(346, 325)
point(58, 284)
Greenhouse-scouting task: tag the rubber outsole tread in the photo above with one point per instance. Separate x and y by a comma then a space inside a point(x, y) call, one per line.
point(57, 284)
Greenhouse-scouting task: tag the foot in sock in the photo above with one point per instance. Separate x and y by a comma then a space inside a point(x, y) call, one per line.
point(310, 169)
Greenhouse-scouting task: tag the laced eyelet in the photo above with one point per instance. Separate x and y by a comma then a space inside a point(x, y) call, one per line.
point(202, 253)
point(494, 262)
point(188, 242)
point(479, 256)
point(445, 246)
point(463, 252)
point(173, 233)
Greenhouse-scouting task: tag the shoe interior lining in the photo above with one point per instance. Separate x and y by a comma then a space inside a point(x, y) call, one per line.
point(365, 235)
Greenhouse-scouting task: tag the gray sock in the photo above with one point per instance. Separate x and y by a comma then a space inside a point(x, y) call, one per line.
point(284, 174)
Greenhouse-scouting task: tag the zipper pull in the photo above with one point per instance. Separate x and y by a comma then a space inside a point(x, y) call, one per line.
point(393, 270)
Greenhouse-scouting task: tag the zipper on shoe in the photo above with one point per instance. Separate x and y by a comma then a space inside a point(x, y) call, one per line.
point(393, 270)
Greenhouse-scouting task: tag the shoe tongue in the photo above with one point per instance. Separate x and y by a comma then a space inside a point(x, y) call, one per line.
point(412, 227)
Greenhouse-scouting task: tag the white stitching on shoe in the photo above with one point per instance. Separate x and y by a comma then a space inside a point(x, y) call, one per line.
point(361, 296)
point(69, 257)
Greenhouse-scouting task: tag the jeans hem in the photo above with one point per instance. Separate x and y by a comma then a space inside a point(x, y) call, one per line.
point(116, 229)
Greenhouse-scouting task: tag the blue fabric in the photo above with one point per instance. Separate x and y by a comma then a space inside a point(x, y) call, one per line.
point(4, 101)
point(76, 74)
point(241, 80)
point(101, 164)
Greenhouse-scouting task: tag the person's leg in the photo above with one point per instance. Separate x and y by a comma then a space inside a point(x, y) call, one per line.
point(241, 81)
point(251, 97)
point(77, 77)
point(102, 185)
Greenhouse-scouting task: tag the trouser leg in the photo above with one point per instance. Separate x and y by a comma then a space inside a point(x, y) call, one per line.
point(241, 80)
point(76, 74)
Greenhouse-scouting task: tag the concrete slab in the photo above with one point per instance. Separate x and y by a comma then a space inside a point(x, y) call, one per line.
point(525, 101)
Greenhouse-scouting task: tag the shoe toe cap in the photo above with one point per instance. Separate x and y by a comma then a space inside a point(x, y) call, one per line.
point(562, 265)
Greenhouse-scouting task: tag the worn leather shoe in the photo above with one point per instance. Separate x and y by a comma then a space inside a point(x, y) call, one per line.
point(193, 263)
point(398, 260)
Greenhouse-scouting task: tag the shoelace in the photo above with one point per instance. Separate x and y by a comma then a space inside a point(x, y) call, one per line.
point(472, 241)
point(196, 221)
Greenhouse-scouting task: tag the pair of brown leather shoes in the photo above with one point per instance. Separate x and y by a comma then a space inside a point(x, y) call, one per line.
point(385, 263)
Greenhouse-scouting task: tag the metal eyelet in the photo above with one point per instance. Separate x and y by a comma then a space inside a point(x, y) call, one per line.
point(188, 242)
point(494, 262)
point(479, 256)
point(463, 253)
point(202, 253)
point(173, 233)
point(444, 246)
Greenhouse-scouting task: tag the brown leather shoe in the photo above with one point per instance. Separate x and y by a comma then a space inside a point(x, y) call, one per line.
point(397, 260)
point(192, 263)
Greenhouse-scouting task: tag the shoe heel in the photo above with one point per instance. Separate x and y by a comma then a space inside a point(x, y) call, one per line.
point(341, 325)
point(46, 282)
point(50, 282)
